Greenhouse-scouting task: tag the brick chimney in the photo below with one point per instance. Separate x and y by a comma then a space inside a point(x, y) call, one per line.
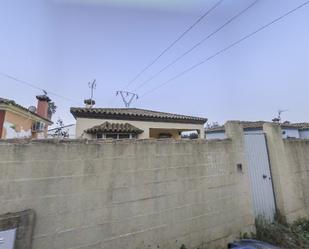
point(42, 108)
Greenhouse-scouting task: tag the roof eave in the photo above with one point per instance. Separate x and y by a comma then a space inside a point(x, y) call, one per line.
point(77, 114)
point(11, 107)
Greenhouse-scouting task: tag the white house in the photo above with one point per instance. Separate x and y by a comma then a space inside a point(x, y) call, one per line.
point(289, 130)
point(133, 123)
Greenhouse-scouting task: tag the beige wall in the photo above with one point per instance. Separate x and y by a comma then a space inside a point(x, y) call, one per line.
point(297, 154)
point(289, 161)
point(146, 193)
point(85, 123)
point(141, 194)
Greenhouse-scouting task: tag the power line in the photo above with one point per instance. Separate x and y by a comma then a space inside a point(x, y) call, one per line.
point(36, 87)
point(173, 43)
point(196, 45)
point(169, 47)
point(226, 48)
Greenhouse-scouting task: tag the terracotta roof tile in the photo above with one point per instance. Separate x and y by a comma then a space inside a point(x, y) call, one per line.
point(114, 128)
point(134, 114)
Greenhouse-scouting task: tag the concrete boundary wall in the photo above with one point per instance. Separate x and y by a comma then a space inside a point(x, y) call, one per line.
point(289, 163)
point(124, 194)
point(23, 222)
point(289, 159)
point(146, 193)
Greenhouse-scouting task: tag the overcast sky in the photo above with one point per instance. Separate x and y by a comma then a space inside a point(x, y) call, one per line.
point(61, 45)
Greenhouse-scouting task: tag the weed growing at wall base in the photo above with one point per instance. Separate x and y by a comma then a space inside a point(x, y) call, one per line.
point(286, 236)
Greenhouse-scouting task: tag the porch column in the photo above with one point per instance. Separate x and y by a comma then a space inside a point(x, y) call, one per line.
point(201, 133)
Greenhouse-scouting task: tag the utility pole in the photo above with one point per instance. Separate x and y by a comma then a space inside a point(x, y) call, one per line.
point(127, 97)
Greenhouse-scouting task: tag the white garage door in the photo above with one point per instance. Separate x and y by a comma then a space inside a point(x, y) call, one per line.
point(260, 176)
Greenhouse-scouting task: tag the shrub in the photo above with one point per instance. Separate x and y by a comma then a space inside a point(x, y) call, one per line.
point(288, 236)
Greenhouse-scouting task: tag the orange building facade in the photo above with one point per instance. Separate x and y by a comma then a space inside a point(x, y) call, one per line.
point(17, 121)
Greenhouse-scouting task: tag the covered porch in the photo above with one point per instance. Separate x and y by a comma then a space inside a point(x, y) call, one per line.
point(160, 133)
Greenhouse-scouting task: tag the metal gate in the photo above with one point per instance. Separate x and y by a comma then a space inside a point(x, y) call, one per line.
point(260, 175)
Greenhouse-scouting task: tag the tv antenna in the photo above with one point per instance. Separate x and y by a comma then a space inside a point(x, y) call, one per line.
point(127, 97)
point(92, 85)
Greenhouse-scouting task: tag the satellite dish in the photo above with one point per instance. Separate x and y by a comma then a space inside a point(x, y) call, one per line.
point(32, 108)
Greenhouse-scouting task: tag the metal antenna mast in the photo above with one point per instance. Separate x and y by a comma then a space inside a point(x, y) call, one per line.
point(278, 119)
point(127, 97)
point(92, 86)
point(280, 113)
